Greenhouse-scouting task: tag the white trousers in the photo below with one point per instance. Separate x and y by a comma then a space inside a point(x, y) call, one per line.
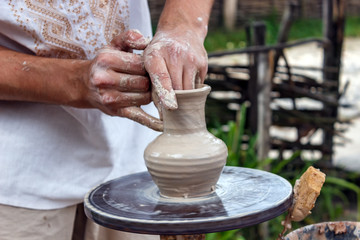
point(60, 224)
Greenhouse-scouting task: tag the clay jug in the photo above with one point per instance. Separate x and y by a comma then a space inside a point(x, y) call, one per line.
point(186, 160)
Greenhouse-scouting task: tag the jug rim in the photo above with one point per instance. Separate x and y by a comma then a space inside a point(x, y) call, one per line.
point(198, 88)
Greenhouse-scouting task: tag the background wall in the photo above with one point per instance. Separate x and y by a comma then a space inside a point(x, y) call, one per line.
point(257, 9)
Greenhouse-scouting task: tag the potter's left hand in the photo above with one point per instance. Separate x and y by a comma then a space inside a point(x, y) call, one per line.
point(175, 59)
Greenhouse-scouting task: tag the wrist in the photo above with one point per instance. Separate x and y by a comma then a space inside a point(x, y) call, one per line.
point(191, 17)
point(60, 81)
point(75, 89)
point(191, 31)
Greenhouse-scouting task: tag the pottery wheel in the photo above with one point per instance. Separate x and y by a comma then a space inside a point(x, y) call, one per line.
point(243, 197)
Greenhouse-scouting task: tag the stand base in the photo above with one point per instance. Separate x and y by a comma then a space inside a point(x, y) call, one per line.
point(243, 197)
point(183, 237)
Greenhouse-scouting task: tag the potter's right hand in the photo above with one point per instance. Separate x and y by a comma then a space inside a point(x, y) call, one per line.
point(117, 82)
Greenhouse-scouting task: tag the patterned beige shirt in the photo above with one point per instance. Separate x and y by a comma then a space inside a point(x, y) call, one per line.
point(64, 28)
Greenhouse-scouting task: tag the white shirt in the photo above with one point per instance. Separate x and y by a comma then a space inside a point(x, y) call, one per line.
point(50, 155)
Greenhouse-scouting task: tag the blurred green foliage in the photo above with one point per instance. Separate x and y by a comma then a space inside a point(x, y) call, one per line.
point(352, 27)
point(220, 39)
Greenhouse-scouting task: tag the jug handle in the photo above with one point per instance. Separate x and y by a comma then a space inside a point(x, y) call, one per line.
point(137, 114)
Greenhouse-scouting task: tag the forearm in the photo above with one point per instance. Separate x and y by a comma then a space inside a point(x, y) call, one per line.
point(176, 58)
point(194, 15)
point(37, 79)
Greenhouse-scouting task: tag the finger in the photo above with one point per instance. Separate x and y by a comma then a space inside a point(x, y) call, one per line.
point(114, 99)
point(198, 80)
point(201, 74)
point(121, 61)
point(125, 82)
point(189, 78)
point(138, 115)
point(131, 39)
point(157, 102)
point(176, 75)
point(161, 81)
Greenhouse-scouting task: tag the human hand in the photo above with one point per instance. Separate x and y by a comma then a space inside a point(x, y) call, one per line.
point(117, 82)
point(175, 59)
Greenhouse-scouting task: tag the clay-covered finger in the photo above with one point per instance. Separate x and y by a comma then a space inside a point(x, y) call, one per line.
point(131, 39)
point(125, 82)
point(131, 83)
point(161, 82)
point(138, 115)
point(114, 99)
point(201, 74)
point(109, 79)
point(176, 76)
point(118, 61)
point(189, 77)
point(157, 103)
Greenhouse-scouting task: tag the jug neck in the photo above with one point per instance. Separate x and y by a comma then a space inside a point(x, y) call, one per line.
point(190, 115)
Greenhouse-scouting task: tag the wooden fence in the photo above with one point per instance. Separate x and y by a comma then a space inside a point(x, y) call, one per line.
point(263, 80)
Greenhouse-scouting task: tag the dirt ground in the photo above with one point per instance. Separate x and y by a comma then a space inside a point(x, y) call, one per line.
point(347, 152)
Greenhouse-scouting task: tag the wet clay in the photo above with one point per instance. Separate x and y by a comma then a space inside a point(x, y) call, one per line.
point(186, 160)
point(306, 191)
point(327, 231)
